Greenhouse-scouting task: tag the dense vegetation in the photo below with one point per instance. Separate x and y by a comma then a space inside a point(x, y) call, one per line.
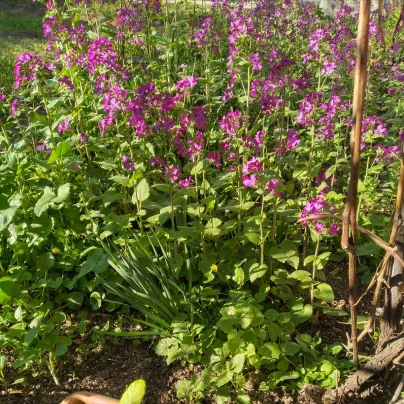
point(154, 163)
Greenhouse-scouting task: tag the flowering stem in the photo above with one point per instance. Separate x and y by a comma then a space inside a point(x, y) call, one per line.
point(262, 229)
point(314, 269)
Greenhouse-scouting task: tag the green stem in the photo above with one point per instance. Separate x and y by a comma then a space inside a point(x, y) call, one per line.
point(314, 269)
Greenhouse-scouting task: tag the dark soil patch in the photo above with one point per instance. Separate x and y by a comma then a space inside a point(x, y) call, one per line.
point(105, 371)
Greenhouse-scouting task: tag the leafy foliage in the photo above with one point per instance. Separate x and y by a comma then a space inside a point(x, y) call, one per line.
point(156, 161)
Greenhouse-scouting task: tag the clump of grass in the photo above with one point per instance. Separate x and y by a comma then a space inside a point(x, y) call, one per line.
point(6, 73)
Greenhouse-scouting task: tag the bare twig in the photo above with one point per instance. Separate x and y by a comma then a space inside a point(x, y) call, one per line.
point(398, 391)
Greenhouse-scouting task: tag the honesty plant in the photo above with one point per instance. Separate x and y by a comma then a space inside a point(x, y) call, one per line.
point(201, 136)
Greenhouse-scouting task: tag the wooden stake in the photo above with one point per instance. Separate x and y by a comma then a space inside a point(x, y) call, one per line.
point(348, 239)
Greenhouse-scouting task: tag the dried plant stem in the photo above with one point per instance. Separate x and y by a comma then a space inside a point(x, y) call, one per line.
point(348, 239)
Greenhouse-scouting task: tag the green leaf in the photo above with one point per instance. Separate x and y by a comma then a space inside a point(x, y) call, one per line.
point(238, 276)
point(121, 180)
point(253, 237)
point(135, 393)
point(222, 395)
point(367, 249)
point(45, 261)
point(237, 363)
point(61, 349)
point(302, 276)
point(95, 300)
point(257, 271)
point(224, 378)
point(3, 361)
point(290, 348)
point(6, 216)
point(324, 292)
point(270, 350)
point(44, 202)
point(9, 290)
point(63, 193)
point(142, 191)
point(63, 150)
point(75, 298)
point(243, 398)
point(302, 315)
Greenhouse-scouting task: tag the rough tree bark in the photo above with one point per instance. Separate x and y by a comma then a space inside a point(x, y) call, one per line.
point(393, 302)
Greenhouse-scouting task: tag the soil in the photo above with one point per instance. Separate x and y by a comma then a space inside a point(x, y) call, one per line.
point(109, 371)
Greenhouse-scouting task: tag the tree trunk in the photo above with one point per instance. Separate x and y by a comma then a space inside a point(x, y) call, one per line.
point(393, 302)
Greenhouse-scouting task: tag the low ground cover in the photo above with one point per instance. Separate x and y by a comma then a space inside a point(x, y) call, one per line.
point(155, 160)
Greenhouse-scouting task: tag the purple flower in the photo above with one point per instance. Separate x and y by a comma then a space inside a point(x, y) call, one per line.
point(128, 163)
point(319, 227)
point(333, 229)
point(255, 60)
point(41, 146)
point(172, 173)
point(249, 181)
point(230, 123)
point(156, 161)
point(83, 138)
point(185, 84)
point(252, 165)
point(13, 106)
point(272, 186)
point(214, 158)
point(328, 68)
point(65, 126)
point(74, 166)
point(185, 182)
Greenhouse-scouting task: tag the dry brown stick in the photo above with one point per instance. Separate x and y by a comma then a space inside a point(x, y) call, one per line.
point(386, 260)
point(398, 391)
point(348, 239)
point(371, 284)
point(388, 248)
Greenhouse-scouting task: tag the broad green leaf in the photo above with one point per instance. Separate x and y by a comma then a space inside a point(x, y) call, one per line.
point(44, 202)
point(253, 237)
point(237, 363)
point(61, 349)
point(63, 193)
point(238, 276)
point(367, 249)
point(141, 192)
point(121, 180)
point(324, 292)
point(270, 350)
point(9, 290)
point(6, 216)
point(257, 271)
point(75, 298)
point(224, 378)
point(302, 315)
point(62, 151)
point(290, 348)
point(222, 395)
point(135, 393)
point(243, 398)
point(45, 261)
point(302, 276)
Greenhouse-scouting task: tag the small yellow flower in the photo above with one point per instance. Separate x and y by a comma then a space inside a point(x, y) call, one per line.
point(213, 267)
point(55, 250)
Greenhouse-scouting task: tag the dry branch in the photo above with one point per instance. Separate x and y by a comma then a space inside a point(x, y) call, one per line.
point(393, 349)
point(348, 239)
